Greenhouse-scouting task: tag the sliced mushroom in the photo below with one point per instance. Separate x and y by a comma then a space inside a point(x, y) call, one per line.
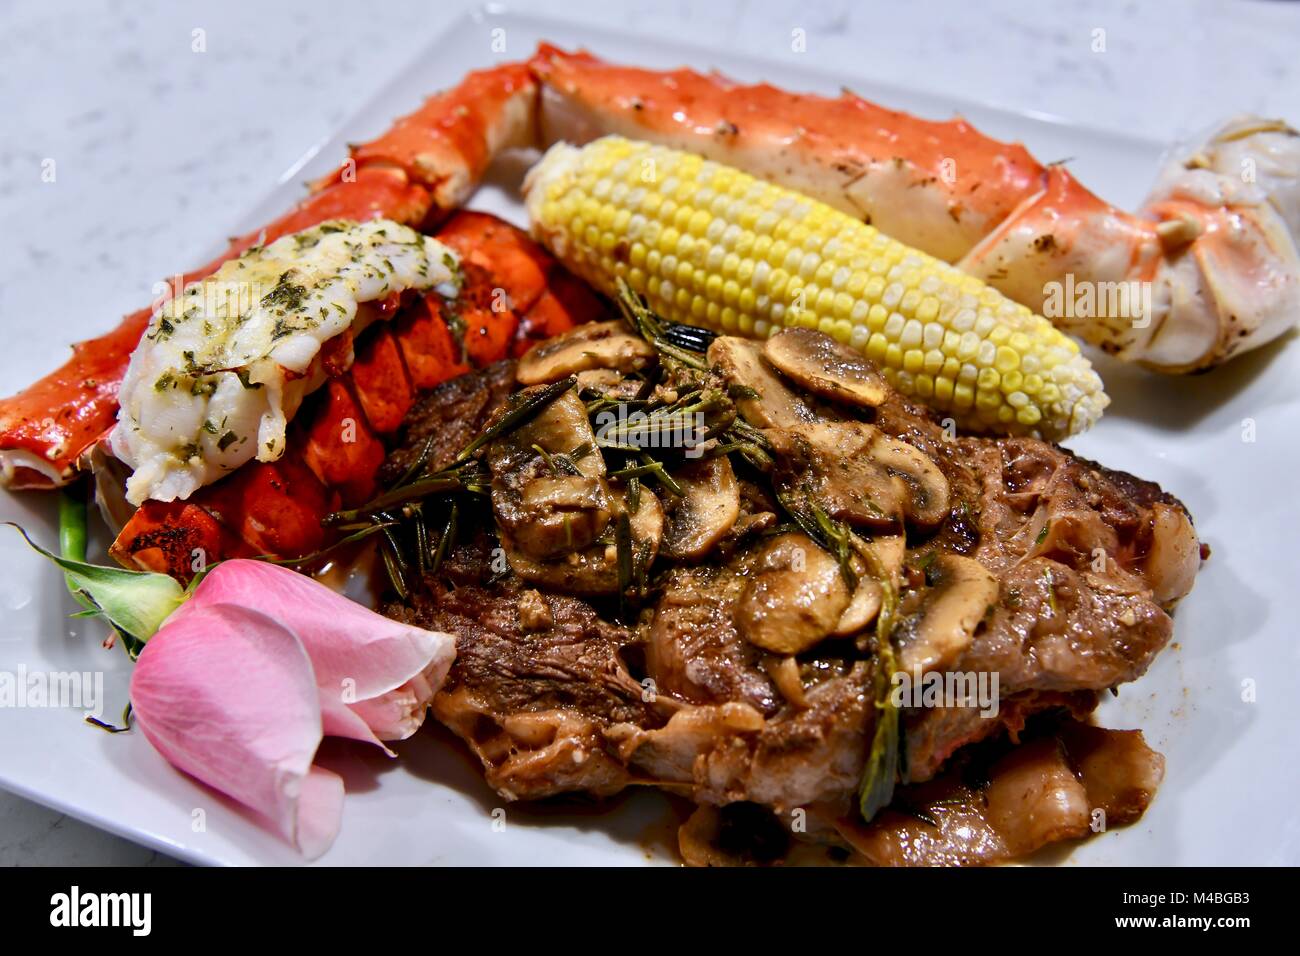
point(860, 475)
point(826, 367)
point(757, 514)
point(795, 597)
point(595, 345)
point(593, 569)
point(887, 553)
point(1175, 554)
point(608, 383)
point(785, 675)
point(547, 500)
point(705, 512)
point(943, 627)
point(559, 514)
point(930, 496)
point(772, 403)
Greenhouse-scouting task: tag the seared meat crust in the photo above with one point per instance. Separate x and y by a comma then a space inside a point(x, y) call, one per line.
point(534, 703)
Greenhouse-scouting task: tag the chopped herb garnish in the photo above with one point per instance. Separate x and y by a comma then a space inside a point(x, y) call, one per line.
point(287, 294)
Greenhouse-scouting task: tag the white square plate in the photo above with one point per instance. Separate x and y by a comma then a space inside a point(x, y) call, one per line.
point(1228, 795)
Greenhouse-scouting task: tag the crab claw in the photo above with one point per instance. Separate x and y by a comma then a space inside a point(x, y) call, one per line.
point(239, 685)
point(1233, 201)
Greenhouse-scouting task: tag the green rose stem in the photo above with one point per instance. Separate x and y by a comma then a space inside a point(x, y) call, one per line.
point(72, 527)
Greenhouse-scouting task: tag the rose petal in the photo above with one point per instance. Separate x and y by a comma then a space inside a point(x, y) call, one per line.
point(342, 720)
point(399, 713)
point(358, 655)
point(229, 696)
point(337, 718)
point(320, 811)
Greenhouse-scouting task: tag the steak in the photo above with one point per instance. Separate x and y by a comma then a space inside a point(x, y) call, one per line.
point(748, 674)
point(534, 699)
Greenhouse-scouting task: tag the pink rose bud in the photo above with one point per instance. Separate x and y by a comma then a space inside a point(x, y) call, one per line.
point(239, 685)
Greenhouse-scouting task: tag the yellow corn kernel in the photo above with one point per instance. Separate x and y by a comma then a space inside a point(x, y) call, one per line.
point(712, 245)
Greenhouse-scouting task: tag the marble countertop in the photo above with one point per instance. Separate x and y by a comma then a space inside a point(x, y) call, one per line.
point(159, 145)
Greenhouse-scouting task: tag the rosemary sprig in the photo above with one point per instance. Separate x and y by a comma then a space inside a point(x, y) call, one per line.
point(446, 539)
point(667, 340)
point(829, 534)
point(657, 429)
point(559, 463)
point(418, 464)
point(444, 481)
point(356, 532)
point(461, 474)
point(881, 772)
point(524, 411)
point(428, 555)
point(841, 540)
point(565, 465)
point(651, 467)
point(603, 403)
point(546, 457)
point(414, 512)
point(634, 494)
point(748, 442)
point(749, 433)
point(689, 359)
point(626, 559)
point(630, 565)
point(756, 456)
point(394, 564)
point(742, 392)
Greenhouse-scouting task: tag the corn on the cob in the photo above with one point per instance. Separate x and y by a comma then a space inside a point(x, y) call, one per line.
point(710, 245)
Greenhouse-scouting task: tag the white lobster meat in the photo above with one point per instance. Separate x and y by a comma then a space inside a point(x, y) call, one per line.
point(225, 365)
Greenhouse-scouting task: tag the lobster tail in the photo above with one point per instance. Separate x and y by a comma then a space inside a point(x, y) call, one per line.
point(512, 290)
point(45, 429)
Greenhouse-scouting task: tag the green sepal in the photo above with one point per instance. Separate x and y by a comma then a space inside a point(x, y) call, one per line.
point(134, 602)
